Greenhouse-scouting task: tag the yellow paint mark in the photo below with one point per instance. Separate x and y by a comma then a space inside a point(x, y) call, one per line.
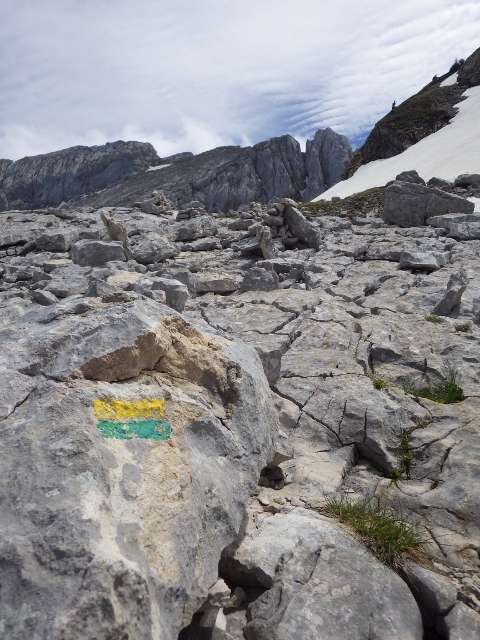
point(128, 410)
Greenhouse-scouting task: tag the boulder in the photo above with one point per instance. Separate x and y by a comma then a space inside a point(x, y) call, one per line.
point(200, 227)
point(468, 180)
point(121, 531)
point(462, 623)
point(259, 279)
point(96, 253)
point(56, 241)
point(151, 247)
point(176, 293)
point(313, 573)
point(44, 298)
point(422, 260)
point(436, 594)
point(299, 226)
point(410, 176)
point(410, 205)
point(439, 183)
point(216, 282)
point(452, 297)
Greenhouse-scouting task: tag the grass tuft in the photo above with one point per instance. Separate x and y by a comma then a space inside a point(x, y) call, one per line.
point(445, 390)
point(387, 533)
point(379, 384)
point(433, 318)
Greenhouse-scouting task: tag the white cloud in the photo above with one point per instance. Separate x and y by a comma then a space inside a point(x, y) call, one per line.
point(194, 74)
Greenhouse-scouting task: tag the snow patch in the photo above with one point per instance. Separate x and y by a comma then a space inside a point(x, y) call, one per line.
point(451, 80)
point(476, 202)
point(447, 153)
point(158, 166)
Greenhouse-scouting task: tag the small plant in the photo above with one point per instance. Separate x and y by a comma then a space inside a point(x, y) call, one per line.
point(387, 533)
point(433, 318)
point(379, 383)
point(445, 390)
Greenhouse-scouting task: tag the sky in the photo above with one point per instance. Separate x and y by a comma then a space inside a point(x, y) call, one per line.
point(189, 75)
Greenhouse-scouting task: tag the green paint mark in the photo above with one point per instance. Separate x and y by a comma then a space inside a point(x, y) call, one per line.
point(146, 429)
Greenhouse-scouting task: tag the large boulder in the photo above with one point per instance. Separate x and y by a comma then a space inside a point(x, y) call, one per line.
point(408, 204)
point(96, 253)
point(468, 180)
point(151, 247)
point(119, 497)
point(314, 574)
point(299, 226)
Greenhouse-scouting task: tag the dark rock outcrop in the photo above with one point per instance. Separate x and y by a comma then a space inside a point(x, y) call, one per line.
point(51, 178)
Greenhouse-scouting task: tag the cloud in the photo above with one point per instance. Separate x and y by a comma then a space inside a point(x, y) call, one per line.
point(192, 75)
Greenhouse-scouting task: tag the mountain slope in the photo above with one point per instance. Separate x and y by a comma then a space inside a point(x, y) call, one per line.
point(453, 150)
point(426, 112)
point(450, 149)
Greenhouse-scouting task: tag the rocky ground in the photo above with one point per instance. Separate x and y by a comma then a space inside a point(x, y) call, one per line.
point(289, 351)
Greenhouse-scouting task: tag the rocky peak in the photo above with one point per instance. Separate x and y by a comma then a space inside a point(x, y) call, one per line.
point(327, 155)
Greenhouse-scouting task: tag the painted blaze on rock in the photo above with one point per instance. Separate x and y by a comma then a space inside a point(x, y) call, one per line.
point(127, 419)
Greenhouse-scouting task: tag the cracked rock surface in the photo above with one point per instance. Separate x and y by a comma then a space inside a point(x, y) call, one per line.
point(287, 380)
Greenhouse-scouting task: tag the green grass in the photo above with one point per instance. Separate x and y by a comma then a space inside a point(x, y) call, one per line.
point(379, 384)
point(358, 204)
point(433, 318)
point(444, 390)
point(387, 533)
point(405, 453)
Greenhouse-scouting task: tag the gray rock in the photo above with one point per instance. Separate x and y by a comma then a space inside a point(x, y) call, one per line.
point(444, 221)
point(204, 244)
point(327, 157)
point(462, 623)
point(151, 247)
point(96, 253)
point(45, 298)
point(200, 227)
point(52, 178)
point(56, 241)
point(410, 176)
point(216, 282)
point(410, 205)
point(176, 292)
point(439, 183)
point(422, 260)
point(259, 279)
point(467, 180)
point(314, 573)
point(452, 297)
point(109, 529)
point(299, 226)
point(435, 593)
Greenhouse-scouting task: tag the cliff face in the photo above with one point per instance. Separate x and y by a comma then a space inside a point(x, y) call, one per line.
point(49, 179)
point(226, 177)
point(326, 158)
point(421, 115)
point(222, 179)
